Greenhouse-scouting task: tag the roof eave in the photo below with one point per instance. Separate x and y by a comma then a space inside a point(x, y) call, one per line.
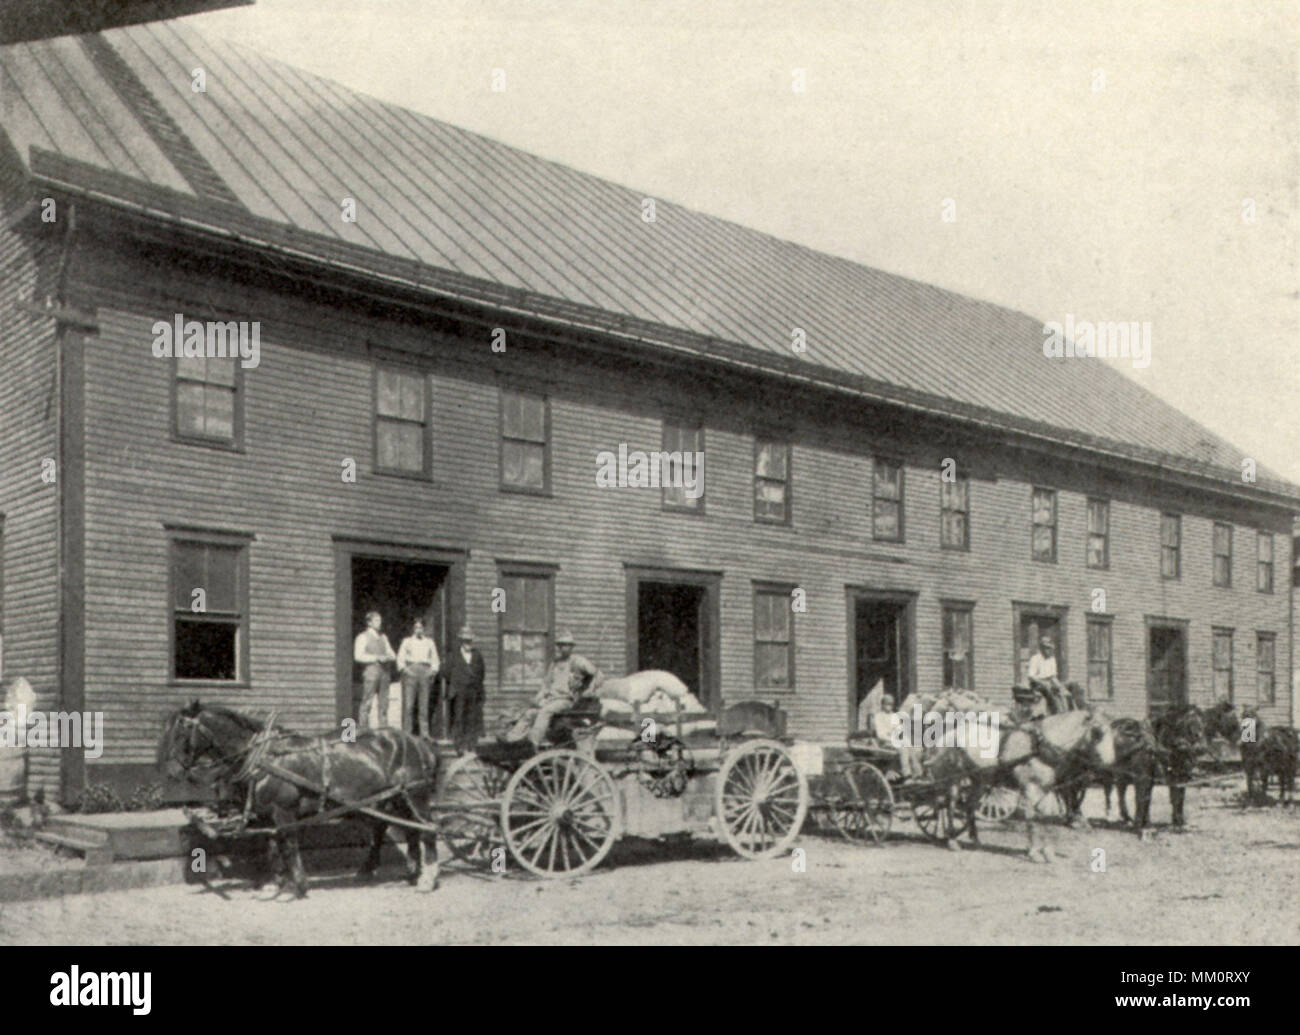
point(201, 216)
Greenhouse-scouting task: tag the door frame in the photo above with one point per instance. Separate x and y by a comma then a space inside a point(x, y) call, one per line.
point(1183, 625)
point(710, 692)
point(348, 547)
point(1021, 609)
point(905, 600)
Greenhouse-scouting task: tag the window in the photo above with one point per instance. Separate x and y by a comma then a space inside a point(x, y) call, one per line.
point(401, 422)
point(525, 628)
point(1044, 535)
point(1222, 554)
point(772, 482)
point(684, 443)
point(1098, 533)
point(1101, 685)
point(1171, 535)
point(1223, 664)
point(525, 458)
point(954, 513)
point(1264, 563)
point(887, 500)
point(209, 592)
point(773, 637)
point(1265, 668)
point(958, 650)
point(205, 400)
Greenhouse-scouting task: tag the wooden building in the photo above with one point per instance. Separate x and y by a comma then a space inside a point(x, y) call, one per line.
point(899, 484)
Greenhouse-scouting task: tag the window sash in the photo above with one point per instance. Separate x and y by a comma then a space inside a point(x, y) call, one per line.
point(773, 639)
point(1222, 555)
point(958, 648)
point(684, 439)
point(1266, 668)
point(219, 569)
point(1170, 543)
point(1043, 536)
point(954, 513)
point(771, 482)
point(1100, 662)
point(1098, 550)
point(525, 629)
point(1264, 562)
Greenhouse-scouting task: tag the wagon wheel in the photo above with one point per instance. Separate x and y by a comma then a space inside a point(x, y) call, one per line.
point(865, 809)
point(560, 814)
point(761, 799)
point(474, 833)
point(998, 804)
point(940, 813)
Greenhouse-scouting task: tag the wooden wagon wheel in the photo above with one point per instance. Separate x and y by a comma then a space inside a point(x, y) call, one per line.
point(864, 808)
point(474, 833)
point(560, 814)
point(998, 804)
point(761, 799)
point(939, 812)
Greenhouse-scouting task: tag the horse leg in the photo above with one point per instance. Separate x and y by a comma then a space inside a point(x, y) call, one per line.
point(1142, 802)
point(371, 864)
point(275, 867)
point(1108, 785)
point(1176, 796)
point(297, 871)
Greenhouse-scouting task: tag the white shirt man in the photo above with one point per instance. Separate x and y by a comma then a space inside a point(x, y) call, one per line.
point(372, 650)
point(417, 663)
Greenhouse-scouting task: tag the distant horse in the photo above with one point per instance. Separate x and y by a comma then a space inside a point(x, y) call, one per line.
point(222, 747)
point(1267, 751)
point(1035, 757)
point(1137, 763)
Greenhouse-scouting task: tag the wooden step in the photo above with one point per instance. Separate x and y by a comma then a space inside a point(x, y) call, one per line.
point(97, 851)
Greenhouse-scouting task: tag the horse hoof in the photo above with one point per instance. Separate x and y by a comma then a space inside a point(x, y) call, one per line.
point(953, 845)
point(364, 877)
point(426, 885)
point(268, 892)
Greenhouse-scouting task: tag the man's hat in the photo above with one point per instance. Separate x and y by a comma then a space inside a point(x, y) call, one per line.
point(565, 637)
point(1045, 641)
point(466, 633)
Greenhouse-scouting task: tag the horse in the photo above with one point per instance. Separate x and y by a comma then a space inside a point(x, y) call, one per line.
point(1035, 757)
point(1137, 763)
point(1269, 751)
point(226, 748)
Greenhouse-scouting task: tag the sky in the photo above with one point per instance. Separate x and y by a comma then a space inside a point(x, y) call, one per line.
point(1102, 160)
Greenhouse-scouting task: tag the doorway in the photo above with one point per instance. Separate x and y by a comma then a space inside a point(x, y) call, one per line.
point(881, 628)
point(672, 625)
point(1166, 666)
point(402, 584)
point(1031, 628)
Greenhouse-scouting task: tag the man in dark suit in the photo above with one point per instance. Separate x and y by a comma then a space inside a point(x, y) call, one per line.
point(465, 671)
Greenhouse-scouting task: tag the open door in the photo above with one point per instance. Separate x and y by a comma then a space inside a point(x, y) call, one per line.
point(1166, 666)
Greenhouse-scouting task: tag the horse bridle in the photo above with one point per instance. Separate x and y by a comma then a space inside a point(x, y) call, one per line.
point(193, 726)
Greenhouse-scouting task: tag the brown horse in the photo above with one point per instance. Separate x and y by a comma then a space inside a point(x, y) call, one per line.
point(269, 773)
point(1035, 757)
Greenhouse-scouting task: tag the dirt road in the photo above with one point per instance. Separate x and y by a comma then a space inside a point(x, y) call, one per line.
point(1231, 879)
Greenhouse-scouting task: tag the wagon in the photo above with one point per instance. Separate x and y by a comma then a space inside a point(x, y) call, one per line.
point(558, 811)
point(859, 800)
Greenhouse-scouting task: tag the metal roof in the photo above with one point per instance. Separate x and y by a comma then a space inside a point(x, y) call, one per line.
point(282, 147)
point(40, 19)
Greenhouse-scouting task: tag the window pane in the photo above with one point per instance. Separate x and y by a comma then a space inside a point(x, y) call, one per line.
point(411, 390)
point(889, 480)
point(523, 416)
point(188, 572)
point(1096, 551)
point(1169, 531)
point(954, 495)
point(1266, 654)
point(1044, 507)
point(537, 605)
point(220, 412)
point(771, 461)
point(389, 390)
point(1222, 539)
point(1266, 548)
point(772, 662)
point(769, 498)
point(954, 529)
point(223, 578)
point(409, 443)
point(189, 408)
point(1043, 543)
point(1222, 651)
point(192, 367)
point(523, 464)
point(206, 650)
point(220, 372)
point(1097, 518)
point(1222, 571)
point(885, 519)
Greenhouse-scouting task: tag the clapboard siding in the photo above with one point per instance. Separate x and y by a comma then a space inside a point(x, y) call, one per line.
point(308, 408)
point(28, 435)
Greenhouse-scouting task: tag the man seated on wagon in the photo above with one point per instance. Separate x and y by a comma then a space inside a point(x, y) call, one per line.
point(568, 677)
point(1043, 677)
point(882, 722)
